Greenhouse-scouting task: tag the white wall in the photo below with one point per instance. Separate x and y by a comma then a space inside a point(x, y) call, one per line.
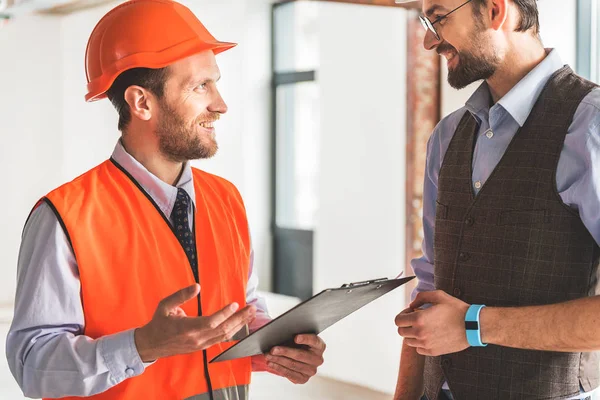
point(89, 130)
point(360, 223)
point(30, 130)
point(255, 46)
point(558, 22)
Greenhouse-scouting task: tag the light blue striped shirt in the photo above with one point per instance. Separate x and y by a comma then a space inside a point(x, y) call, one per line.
point(578, 174)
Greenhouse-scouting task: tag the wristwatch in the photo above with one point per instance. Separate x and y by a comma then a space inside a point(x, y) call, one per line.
point(472, 326)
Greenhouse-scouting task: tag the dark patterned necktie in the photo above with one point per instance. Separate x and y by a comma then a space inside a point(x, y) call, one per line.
point(181, 224)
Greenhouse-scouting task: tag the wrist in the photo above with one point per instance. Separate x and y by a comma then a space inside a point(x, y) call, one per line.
point(259, 363)
point(486, 324)
point(143, 346)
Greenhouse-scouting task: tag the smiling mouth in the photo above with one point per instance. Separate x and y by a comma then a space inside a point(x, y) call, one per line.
point(450, 56)
point(207, 124)
point(451, 60)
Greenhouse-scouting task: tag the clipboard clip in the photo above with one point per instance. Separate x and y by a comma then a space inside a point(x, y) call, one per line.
point(363, 283)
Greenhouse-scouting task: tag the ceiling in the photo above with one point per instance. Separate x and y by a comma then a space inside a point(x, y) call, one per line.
point(61, 7)
point(55, 7)
point(412, 4)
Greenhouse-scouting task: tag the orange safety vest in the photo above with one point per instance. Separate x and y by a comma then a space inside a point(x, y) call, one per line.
point(129, 259)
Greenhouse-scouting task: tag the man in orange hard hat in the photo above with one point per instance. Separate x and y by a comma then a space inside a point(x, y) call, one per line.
point(109, 303)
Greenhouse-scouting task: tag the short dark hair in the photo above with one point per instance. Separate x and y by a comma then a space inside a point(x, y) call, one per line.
point(529, 14)
point(148, 78)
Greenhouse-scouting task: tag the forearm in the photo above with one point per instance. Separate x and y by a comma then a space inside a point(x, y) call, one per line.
point(254, 298)
point(49, 363)
point(410, 375)
point(570, 327)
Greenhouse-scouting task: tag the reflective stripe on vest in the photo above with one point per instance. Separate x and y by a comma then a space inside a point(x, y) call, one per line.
point(233, 393)
point(129, 259)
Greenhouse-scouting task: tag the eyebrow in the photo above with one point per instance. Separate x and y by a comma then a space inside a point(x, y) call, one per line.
point(193, 82)
point(434, 8)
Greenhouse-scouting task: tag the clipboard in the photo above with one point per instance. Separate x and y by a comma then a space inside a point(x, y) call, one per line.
point(312, 316)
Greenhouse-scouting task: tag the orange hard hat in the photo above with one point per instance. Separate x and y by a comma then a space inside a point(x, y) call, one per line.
point(143, 33)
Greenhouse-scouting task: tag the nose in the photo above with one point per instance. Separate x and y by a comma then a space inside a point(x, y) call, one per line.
point(218, 104)
point(430, 42)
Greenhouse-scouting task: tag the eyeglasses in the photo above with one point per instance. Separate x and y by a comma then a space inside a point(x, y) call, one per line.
point(429, 25)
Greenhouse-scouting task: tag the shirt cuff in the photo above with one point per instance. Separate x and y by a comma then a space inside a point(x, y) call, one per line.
point(121, 356)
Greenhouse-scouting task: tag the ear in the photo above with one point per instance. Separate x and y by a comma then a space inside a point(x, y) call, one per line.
point(141, 102)
point(498, 13)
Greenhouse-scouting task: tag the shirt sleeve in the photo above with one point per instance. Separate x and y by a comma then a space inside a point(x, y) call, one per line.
point(255, 299)
point(423, 266)
point(578, 175)
point(46, 350)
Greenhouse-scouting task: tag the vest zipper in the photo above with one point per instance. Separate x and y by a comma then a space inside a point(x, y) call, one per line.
point(197, 278)
point(206, 373)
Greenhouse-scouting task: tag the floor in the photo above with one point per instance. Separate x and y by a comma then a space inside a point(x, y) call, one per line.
point(264, 386)
point(267, 387)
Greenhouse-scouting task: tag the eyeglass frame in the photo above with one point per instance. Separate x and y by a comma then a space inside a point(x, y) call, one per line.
point(429, 25)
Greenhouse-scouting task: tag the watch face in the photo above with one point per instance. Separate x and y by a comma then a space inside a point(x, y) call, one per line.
point(471, 325)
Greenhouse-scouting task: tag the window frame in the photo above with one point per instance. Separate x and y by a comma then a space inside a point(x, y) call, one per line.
point(292, 249)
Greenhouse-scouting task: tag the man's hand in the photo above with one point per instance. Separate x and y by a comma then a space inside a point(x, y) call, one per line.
point(437, 330)
point(172, 332)
point(297, 365)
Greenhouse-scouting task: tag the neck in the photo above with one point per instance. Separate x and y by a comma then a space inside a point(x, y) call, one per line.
point(516, 64)
point(164, 169)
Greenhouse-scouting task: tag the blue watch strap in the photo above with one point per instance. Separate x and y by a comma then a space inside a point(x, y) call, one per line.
point(472, 325)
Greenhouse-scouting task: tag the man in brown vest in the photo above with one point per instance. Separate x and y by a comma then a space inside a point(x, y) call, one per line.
point(506, 304)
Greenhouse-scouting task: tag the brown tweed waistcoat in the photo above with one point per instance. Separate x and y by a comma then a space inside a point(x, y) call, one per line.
point(514, 244)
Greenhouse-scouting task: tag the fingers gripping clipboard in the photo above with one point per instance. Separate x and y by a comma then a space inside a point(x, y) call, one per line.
point(311, 316)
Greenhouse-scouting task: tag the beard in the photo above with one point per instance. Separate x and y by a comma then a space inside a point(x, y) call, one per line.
point(180, 142)
point(472, 66)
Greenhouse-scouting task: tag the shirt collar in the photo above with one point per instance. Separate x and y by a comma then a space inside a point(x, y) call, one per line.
point(479, 102)
point(519, 101)
point(161, 192)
